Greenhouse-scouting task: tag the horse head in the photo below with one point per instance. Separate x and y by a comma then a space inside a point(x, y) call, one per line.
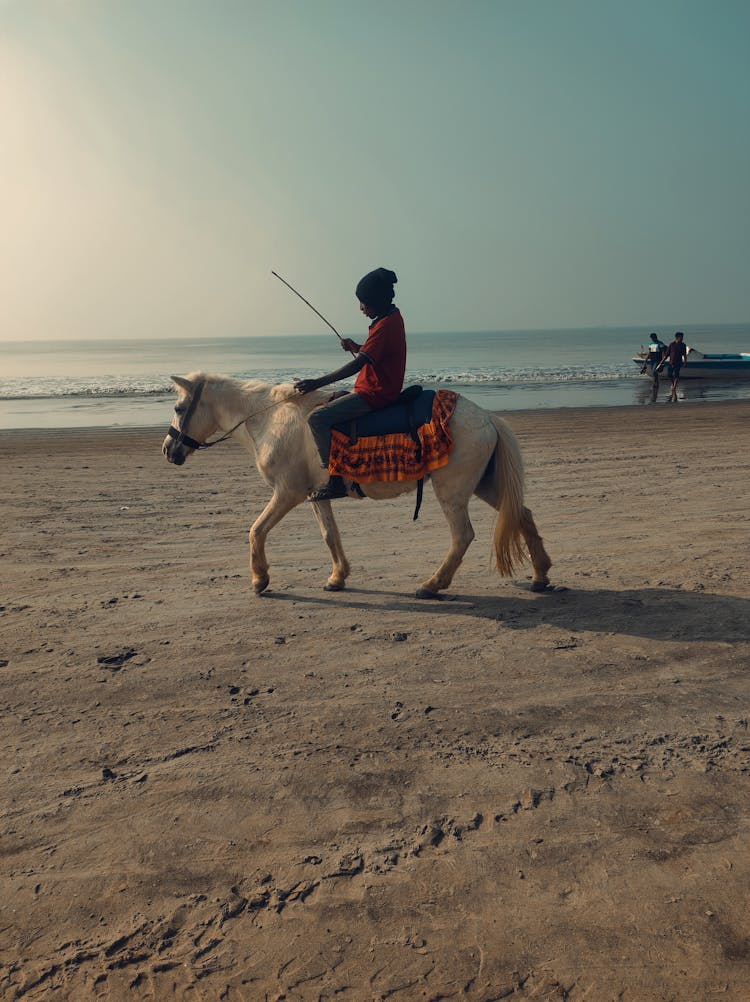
point(193, 422)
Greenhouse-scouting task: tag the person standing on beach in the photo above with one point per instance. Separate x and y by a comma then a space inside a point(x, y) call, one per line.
point(676, 358)
point(380, 363)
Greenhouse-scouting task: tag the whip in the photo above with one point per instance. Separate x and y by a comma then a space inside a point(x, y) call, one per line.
point(308, 303)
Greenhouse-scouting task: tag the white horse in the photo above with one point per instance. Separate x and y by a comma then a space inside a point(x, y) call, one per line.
point(271, 422)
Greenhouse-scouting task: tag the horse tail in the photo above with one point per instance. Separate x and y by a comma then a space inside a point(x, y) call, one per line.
point(508, 539)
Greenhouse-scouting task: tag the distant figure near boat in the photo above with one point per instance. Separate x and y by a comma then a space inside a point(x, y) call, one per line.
point(701, 365)
point(654, 357)
point(656, 349)
point(676, 357)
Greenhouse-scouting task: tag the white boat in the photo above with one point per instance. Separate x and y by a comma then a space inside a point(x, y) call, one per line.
point(703, 366)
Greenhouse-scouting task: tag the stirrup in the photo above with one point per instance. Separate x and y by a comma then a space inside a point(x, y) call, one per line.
point(335, 488)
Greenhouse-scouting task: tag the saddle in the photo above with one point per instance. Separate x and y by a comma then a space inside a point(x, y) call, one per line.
point(412, 409)
point(402, 442)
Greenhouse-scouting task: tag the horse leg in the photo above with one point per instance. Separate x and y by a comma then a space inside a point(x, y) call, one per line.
point(279, 506)
point(462, 533)
point(330, 533)
point(540, 560)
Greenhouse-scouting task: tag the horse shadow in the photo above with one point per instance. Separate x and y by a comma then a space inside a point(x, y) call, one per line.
point(650, 613)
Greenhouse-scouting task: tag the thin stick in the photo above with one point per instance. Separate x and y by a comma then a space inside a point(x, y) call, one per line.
point(308, 303)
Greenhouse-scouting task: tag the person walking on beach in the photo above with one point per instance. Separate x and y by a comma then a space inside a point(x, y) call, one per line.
point(655, 355)
point(380, 363)
point(676, 357)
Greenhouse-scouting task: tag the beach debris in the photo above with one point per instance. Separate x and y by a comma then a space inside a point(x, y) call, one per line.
point(566, 645)
point(115, 661)
point(398, 636)
point(3, 663)
point(108, 774)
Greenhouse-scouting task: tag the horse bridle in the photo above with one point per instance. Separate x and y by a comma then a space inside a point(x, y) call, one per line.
point(182, 438)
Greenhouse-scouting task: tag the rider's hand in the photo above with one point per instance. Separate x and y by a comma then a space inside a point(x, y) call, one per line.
point(348, 345)
point(305, 385)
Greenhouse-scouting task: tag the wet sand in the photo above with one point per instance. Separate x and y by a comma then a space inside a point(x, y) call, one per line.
point(212, 795)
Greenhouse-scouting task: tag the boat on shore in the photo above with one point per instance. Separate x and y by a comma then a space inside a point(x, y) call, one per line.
point(700, 365)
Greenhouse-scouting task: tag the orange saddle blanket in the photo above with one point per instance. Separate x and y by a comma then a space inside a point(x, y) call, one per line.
point(397, 456)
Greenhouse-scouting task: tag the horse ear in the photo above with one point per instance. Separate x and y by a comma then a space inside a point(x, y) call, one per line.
point(184, 384)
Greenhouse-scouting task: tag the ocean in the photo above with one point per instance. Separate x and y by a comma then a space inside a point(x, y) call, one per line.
point(125, 383)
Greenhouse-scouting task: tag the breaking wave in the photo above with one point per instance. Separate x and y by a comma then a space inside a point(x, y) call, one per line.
point(39, 388)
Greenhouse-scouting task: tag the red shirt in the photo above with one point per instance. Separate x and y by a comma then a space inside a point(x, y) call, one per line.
point(382, 379)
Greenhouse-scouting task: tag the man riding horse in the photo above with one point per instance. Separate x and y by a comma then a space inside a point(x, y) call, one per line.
point(380, 363)
point(484, 458)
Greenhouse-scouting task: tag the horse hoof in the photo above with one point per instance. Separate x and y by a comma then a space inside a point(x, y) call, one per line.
point(260, 586)
point(330, 586)
point(547, 587)
point(426, 593)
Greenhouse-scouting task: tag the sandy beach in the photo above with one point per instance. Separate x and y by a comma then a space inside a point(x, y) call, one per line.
point(361, 796)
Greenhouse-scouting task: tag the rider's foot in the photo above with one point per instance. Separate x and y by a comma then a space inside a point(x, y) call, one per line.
point(335, 488)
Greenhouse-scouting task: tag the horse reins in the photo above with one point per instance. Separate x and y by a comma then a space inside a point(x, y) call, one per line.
point(182, 438)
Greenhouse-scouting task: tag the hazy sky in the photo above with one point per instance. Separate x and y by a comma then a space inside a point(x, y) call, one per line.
point(518, 163)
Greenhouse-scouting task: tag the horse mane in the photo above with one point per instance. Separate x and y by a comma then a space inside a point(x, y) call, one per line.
point(282, 413)
point(231, 390)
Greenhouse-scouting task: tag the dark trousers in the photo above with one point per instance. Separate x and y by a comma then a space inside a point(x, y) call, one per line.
point(339, 411)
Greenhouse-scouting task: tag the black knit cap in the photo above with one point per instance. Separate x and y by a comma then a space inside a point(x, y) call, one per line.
point(376, 288)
